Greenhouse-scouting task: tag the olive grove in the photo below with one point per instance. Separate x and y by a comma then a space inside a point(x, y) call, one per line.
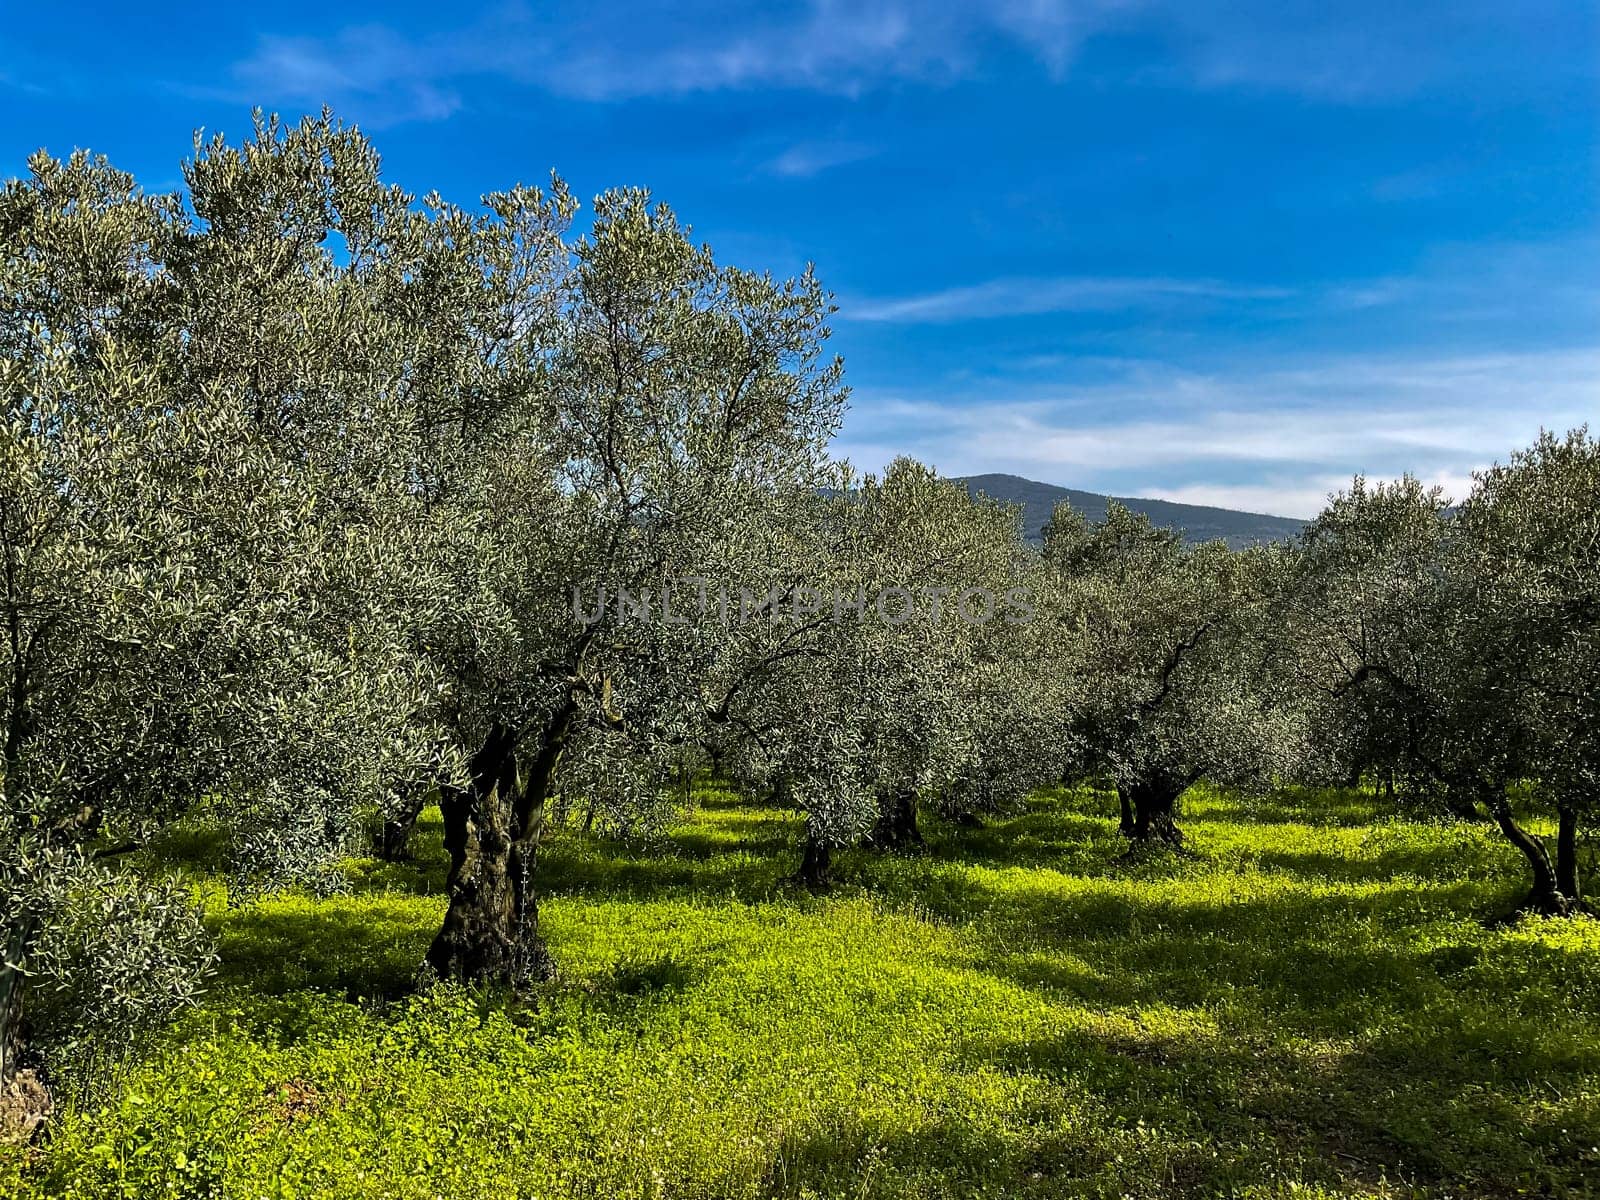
point(322, 502)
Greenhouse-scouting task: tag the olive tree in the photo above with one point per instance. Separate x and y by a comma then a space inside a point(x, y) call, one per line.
point(1453, 649)
point(1011, 740)
point(856, 695)
point(1531, 528)
point(956, 670)
point(1366, 624)
point(194, 603)
point(647, 430)
point(96, 598)
point(303, 293)
point(1178, 676)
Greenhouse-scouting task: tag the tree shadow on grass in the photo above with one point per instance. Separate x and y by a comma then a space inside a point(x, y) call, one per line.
point(762, 832)
point(717, 794)
point(746, 859)
point(1349, 1119)
point(657, 974)
point(361, 947)
point(945, 1157)
point(1438, 859)
point(1051, 1148)
point(1074, 832)
point(1056, 831)
point(189, 847)
point(1320, 963)
point(1220, 1104)
point(733, 850)
point(1373, 1029)
point(598, 869)
point(1294, 804)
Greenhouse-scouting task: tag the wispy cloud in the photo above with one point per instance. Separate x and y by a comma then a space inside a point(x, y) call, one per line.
point(1300, 496)
point(806, 159)
point(1282, 435)
point(1490, 283)
point(1362, 51)
point(1372, 293)
point(17, 83)
point(838, 46)
point(849, 46)
point(395, 80)
point(1030, 297)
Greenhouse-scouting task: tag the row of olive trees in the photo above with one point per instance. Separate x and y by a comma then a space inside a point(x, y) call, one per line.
point(1457, 651)
point(1453, 653)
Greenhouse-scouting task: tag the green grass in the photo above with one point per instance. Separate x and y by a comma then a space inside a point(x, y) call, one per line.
point(1312, 1005)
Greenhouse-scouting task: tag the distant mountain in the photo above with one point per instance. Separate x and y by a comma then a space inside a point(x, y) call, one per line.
point(1198, 522)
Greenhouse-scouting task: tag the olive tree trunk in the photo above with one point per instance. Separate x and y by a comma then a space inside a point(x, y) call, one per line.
point(11, 979)
point(394, 839)
point(896, 827)
point(492, 829)
point(1546, 897)
point(1567, 876)
point(1149, 809)
point(25, 1100)
point(816, 865)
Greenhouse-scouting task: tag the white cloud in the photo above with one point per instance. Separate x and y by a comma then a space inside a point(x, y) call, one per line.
point(806, 159)
point(1493, 282)
point(1029, 297)
point(1275, 439)
point(1302, 497)
point(838, 46)
point(846, 47)
point(392, 80)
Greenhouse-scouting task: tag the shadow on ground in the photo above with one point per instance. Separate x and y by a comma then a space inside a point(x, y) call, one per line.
point(1259, 1011)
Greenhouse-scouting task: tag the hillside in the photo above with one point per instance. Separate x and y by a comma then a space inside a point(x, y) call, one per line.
point(1199, 522)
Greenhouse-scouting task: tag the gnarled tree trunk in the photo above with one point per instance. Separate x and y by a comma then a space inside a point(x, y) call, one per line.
point(896, 828)
point(492, 830)
point(1152, 803)
point(1546, 896)
point(25, 1102)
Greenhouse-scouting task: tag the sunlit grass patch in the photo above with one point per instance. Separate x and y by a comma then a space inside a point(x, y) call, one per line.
point(1305, 1006)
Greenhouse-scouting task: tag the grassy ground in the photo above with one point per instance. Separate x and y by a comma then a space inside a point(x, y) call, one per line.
point(1312, 1006)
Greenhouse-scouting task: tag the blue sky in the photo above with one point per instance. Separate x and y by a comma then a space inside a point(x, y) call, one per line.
point(1225, 253)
